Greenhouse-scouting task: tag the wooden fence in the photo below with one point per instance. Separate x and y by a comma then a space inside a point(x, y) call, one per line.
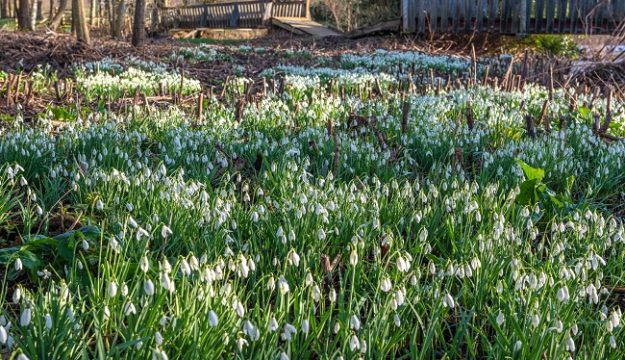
point(240, 14)
point(513, 16)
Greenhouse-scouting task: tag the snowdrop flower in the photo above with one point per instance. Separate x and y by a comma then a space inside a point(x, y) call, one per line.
point(354, 343)
point(25, 317)
point(354, 323)
point(448, 301)
point(158, 354)
point(283, 286)
point(271, 283)
point(148, 287)
point(332, 295)
point(293, 258)
point(321, 234)
point(130, 309)
point(144, 264)
point(167, 283)
point(48, 321)
point(99, 205)
point(316, 293)
point(166, 231)
point(22, 356)
point(18, 264)
point(287, 332)
point(111, 289)
point(353, 257)
point(238, 307)
point(273, 325)
point(185, 269)
point(213, 320)
point(3, 335)
point(397, 320)
point(500, 318)
point(386, 285)
point(158, 338)
point(284, 356)
point(17, 295)
point(305, 326)
point(241, 342)
point(612, 342)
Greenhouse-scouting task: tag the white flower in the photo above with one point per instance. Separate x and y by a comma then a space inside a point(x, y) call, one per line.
point(273, 325)
point(288, 332)
point(321, 234)
point(386, 285)
point(283, 286)
point(448, 301)
point(612, 342)
point(25, 317)
point(284, 356)
point(354, 323)
point(563, 294)
point(144, 264)
point(500, 318)
point(185, 269)
point(271, 283)
point(353, 258)
point(158, 338)
point(241, 342)
point(18, 264)
point(111, 289)
point(332, 295)
point(130, 309)
point(397, 320)
point(148, 287)
point(166, 231)
point(305, 326)
point(294, 258)
point(22, 357)
point(213, 320)
point(354, 343)
point(316, 293)
point(3, 335)
point(167, 283)
point(158, 354)
point(17, 295)
point(99, 205)
point(48, 321)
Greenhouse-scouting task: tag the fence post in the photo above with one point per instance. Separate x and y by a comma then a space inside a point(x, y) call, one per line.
point(523, 25)
point(409, 21)
point(268, 12)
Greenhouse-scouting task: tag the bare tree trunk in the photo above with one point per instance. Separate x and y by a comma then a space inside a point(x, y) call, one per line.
point(118, 19)
point(56, 20)
point(51, 10)
point(80, 23)
point(23, 15)
point(92, 12)
point(32, 18)
point(138, 24)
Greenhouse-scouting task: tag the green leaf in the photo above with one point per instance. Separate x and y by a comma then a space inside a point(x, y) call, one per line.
point(528, 194)
point(530, 172)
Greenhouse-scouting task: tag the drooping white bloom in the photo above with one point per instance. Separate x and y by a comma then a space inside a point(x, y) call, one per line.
point(22, 356)
point(271, 283)
point(283, 285)
point(386, 285)
point(167, 283)
point(284, 356)
point(25, 317)
point(48, 321)
point(185, 269)
point(332, 295)
point(213, 320)
point(354, 343)
point(305, 326)
point(17, 295)
point(294, 258)
point(500, 318)
point(354, 323)
point(287, 332)
point(273, 325)
point(3, 335)
point(148, 287)
point(448, 301)
point(130, 309)
point(144, 264)
point(111, 289)
point(166, 231)
point(158, 338)
point(18, 264)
